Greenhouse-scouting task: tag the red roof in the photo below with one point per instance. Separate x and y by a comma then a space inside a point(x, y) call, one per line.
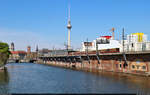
point(18, 52)
point(107, 37)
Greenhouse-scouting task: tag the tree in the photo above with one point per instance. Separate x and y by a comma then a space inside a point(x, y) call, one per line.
point(4, 53)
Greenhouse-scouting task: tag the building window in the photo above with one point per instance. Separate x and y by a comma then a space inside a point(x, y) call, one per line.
point(132, 45)
point(144, 67)
point(133, 66)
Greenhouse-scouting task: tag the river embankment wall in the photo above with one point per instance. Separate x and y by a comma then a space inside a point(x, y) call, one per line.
point(138, 64)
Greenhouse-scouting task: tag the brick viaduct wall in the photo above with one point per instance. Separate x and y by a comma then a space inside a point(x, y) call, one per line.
point(136, 63)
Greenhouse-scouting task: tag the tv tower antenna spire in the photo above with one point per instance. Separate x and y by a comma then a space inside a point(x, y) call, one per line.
point(69, 27)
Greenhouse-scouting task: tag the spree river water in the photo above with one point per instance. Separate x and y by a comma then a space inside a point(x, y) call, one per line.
point(38, 78)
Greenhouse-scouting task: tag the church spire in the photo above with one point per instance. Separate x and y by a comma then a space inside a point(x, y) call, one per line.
point(37, 48)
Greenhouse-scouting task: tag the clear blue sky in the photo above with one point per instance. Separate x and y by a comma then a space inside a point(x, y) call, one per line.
point(43, 22)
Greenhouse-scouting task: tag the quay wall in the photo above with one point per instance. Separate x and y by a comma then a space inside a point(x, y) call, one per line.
point(138, 64)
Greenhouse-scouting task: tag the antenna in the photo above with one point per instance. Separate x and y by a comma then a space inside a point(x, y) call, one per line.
point(69, 11)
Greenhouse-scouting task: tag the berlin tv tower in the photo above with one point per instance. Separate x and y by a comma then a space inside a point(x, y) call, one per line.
point(69, 28)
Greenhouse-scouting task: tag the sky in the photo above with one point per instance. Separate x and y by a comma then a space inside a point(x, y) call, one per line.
point(43, 22)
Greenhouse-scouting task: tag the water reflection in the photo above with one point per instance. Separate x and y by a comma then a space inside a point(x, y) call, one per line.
point(36, 78)
point(138, 84)
point(4, 80)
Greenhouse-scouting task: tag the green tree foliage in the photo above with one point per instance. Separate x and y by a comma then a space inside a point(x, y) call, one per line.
point(4, 53)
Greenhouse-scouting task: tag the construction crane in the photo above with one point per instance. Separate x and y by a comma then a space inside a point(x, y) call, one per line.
point(113, 33)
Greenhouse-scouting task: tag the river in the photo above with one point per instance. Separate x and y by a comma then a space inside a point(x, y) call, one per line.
point(38, 78)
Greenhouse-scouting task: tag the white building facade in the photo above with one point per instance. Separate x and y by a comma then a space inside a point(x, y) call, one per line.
point(135, 42)
point(105, 42)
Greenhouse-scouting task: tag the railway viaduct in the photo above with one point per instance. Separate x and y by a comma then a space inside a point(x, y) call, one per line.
point(133, 62)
